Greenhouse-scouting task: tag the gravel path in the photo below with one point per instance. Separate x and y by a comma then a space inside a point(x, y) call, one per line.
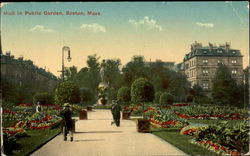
point(96, 137)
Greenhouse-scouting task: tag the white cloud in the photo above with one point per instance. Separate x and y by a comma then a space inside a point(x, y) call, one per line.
point(41, 28)
point(146, 22)
point(93, 27)
point(3, 4)
point(207, 25)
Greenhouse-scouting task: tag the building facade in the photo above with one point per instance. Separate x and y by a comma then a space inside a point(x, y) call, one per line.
point(23, 72)
point(201, 64)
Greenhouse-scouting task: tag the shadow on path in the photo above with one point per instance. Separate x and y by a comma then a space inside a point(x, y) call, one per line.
point(100, 132)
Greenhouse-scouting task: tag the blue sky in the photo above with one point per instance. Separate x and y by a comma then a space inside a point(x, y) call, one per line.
point(157, 30)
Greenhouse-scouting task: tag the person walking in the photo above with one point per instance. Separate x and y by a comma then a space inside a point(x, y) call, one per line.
point(112, 111)
point(67, 122)
point(116, 111)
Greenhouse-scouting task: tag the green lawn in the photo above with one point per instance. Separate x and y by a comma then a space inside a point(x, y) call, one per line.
point(36, 139)
point(8, 123)
point(209, 122)
point(182, 142)
point(172, 136)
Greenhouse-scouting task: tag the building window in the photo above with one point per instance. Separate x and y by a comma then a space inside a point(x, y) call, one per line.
point(205, 61)
point(205, 72)
point(234, 61)
point(220, 62)
point(234, 72)
point(205, 85)
point(219, 51)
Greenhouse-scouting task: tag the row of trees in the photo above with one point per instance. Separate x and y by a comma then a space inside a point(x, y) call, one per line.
point(163, 79)
point(173, 85)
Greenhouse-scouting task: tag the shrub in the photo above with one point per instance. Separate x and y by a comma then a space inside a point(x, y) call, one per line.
point(9, 144)
point(142, 91)
point(166, 99)
point(123, 94)
point(157, 97)
point(67, 92)
point(43, 98)
point(189, 98)
point(87, 96)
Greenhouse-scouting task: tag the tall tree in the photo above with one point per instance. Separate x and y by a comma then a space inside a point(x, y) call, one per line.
point(71, 73)
point(134, 69)
point(93, 75)
point(167, 80)
point(112, 76)
point(225, 89)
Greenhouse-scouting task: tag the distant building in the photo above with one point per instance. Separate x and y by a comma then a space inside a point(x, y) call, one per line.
point(18, 71)
point(201, 63)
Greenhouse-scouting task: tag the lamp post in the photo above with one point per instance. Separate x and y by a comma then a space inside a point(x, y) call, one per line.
point(65, 48)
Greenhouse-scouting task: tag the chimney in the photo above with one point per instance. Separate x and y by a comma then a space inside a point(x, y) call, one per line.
point(8, 54)
point(210, 46)
point(20, 58)
point(227, 46)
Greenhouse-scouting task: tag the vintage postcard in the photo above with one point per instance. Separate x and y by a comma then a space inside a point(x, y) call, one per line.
point(124, 78)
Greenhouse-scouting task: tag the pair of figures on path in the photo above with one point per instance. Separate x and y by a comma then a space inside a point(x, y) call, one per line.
point(116, 109)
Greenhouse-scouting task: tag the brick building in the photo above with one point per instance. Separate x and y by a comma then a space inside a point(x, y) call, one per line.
point(20, 71)
point(201, 63)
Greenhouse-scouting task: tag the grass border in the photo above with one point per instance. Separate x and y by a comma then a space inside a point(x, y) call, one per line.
point(38, 147)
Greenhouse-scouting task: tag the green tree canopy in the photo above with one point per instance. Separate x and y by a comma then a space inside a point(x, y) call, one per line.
point(157, 97)
point(87, 96)
point(71, 73)
point(134, 69)
point(67, 92)
point(225, 90)
point(123, 94)
point(43, 98)
point(166, 99)
point(142, 91)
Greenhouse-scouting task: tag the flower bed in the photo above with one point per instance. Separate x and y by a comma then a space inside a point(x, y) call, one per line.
point(212, 112)
point(13, 130)
point(163, 118)
point(165, 124)
point(25, 104)
point(233, 116)
point(6, 111)
point(215, 147)
point(232, 136)
point(179, 105)
point(193, 129)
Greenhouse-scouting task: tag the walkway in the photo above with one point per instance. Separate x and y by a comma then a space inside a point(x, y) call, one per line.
point(96, 137)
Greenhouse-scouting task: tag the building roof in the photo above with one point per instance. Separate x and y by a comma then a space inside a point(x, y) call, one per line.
point(26, 64)
point(215, 51)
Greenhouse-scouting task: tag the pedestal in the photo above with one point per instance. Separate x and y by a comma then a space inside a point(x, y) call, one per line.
point(89, 108)
point(143, 126)
point(83, 115)
point(126, 115)
point(74, 125)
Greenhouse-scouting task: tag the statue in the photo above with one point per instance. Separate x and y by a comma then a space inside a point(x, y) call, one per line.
point(102, 88)
point(102, 71)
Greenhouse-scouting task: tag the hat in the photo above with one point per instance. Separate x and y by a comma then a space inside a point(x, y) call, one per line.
point(66, 105)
